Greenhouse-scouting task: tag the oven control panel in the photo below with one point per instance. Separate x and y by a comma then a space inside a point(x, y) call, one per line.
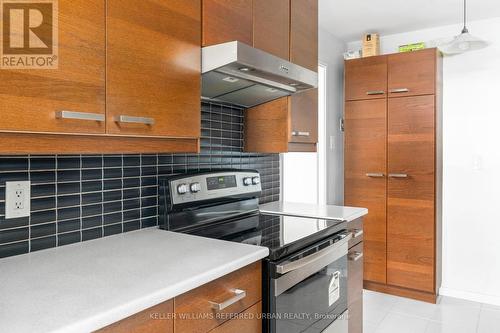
point(214, 185)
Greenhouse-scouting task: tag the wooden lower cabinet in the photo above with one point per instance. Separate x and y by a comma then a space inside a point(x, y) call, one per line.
point(246, 322)
point(194, 312)
point(157, 319)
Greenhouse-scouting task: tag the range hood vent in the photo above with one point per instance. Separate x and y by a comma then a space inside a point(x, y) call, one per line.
point(238, 74)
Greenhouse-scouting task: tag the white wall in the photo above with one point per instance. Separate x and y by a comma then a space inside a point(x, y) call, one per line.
point(331, 51)
point(471, 166)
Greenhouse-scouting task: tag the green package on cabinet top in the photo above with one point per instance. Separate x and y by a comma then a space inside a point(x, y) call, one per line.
point(412, 47)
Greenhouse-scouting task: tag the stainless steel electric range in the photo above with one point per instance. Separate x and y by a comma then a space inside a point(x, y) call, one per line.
point(305, 276)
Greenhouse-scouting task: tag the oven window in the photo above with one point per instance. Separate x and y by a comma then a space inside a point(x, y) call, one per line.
point(314, 303)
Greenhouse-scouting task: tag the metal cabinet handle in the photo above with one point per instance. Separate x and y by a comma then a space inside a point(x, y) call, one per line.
point(375, 174)
point(355, 256)
point(375, 92)
point(399, 90)
point(298, 133)
point(80, 116)
point(238, 295)
point(398, 175)
point(356, 232)
point(134, 120)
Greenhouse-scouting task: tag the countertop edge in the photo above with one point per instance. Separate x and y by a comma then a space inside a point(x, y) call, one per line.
point(129, 309)
point(352, 217)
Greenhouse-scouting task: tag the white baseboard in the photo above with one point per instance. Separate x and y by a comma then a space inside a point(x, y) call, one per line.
point(470, 296)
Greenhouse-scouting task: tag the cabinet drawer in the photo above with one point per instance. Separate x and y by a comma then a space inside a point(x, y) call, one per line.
point(247, 322)
point(197, 307)
point(356, 227)
point(153, 320)
point(355, 273)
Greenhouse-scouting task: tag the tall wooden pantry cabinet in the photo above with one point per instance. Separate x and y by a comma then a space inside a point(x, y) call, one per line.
point(393, 167)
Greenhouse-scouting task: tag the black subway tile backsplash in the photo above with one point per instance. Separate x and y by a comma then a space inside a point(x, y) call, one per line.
point(83, 197)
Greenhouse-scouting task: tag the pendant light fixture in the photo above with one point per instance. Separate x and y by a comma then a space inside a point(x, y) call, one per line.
point(464, 42)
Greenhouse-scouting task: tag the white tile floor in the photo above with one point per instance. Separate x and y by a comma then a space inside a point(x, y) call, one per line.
point(390, 314)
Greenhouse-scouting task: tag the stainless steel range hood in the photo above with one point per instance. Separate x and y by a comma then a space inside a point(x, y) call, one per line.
point(238, 74)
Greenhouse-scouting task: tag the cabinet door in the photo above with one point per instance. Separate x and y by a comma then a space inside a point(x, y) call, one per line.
point(271, 24)
point(366, 78)
point(304, 117)
point(410, 197)
point(31, 98)
point(412, 73)
point(304, 51)
point(226, 21)
point(304, 33)
point(153, 68)
point(365, 181)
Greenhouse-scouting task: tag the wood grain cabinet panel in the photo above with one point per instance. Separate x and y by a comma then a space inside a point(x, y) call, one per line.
point(366, 78)
point(304, 52)
point(411, 196)
point(196, 306)
point(247, 322)
point(271, 25)
point(157, 319)
point(304, 117)
point(153, 67)
point(304, 33)
point(412, 73)
point(267, 127)
point(365, 177)
point(226, 21)
point(30, 98)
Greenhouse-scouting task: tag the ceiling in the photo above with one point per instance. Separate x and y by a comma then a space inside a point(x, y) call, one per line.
point(350, 19)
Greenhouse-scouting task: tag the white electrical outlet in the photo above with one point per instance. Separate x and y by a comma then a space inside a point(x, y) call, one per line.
point(17, 199)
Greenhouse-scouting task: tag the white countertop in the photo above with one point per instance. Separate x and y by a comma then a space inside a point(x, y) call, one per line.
point(85, 286)
point(326, 212)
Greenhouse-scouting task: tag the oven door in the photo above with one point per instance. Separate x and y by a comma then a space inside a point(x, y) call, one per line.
point(308, 292)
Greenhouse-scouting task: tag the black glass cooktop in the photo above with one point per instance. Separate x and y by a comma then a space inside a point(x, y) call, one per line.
point(283, 235)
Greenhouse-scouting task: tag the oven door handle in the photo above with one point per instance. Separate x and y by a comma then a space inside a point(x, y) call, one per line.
point(297, 271)
point(289, 266)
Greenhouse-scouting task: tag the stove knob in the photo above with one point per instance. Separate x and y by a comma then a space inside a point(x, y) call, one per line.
point(256, 180)
point(195, 187)
point(182, 189)
point(247, 181)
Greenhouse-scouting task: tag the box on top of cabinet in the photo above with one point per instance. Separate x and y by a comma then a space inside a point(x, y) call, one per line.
point(371, 45)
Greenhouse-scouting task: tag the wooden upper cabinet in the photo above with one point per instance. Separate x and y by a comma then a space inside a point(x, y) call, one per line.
point(365, 173)
point(32, 97)
point(304, 52)
point(271, 24)
point(412, 73)
point(304, 117)
point(411, 223)
point(304, 33)
point(226, 21)
point(153, 68)
point(366, 78)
